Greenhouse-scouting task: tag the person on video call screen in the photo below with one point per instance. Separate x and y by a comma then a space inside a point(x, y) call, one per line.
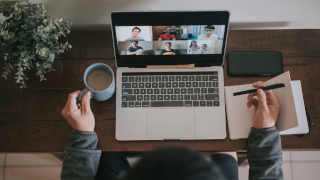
point(168, 50)
point(135, 49)
point(203, 49)
point(208, 34)
point(193, 48)
point(135, 35)
point(167, 35)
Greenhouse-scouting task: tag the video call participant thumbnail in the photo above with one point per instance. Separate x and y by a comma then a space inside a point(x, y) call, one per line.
point(135, 35)
point(203, 49)
point(193, 48)
point(208, 34)
point(135, 49)
point(167, 35)
point(168, 50)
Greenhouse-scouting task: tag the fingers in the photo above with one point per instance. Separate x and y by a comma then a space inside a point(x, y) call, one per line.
point(72, 99)
point(270, 94)
point(253, 102)
point(86, 102)
point(260, 84)
point(262, 100)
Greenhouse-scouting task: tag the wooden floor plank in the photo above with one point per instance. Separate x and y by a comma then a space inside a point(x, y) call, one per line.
point(291, 43)
point(88, 45)
point(45, 104)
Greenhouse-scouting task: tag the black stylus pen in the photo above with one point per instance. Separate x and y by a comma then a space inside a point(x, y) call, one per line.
point(273, 86)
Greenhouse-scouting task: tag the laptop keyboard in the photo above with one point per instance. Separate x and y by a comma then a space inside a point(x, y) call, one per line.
point(170, 89)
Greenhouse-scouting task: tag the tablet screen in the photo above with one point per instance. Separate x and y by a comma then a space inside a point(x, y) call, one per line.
point(150, 41)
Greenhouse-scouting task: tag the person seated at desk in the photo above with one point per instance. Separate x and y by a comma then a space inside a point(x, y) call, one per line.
point(84, 161)
point(203, 49)
point(168, 50)
point(135, 33)
point(193, 48)
point(208, 34)
point(135, 49)
point(167, 35)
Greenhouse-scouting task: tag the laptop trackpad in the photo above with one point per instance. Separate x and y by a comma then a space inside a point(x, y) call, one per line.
point(171, 123)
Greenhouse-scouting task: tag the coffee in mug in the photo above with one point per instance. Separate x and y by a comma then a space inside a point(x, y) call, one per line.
point(99, 80)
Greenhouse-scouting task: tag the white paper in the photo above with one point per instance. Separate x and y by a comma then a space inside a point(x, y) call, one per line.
point(300, 109)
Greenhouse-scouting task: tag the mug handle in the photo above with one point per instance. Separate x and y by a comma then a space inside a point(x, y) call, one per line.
point(82, 93)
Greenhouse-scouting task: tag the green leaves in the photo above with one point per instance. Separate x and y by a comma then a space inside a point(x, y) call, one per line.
point(27, 38)
point(7, 68)
point(4, 24)
point(17, 53)
point(22, 34)
point(44, 52)
point(42, 78)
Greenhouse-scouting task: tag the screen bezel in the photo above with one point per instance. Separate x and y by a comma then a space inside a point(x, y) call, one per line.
point(166, 18)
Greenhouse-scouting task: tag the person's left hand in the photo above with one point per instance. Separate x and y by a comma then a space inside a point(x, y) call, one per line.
point(79, 117)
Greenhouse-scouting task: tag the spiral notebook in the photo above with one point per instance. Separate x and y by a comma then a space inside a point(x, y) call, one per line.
point(292, 116)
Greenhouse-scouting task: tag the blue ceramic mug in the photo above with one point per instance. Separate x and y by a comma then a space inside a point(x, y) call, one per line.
point(101, 79)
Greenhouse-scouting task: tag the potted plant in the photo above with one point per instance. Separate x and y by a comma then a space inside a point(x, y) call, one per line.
point(29, 40)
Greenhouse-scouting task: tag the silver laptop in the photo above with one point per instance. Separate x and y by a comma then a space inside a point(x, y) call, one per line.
point(170, 103)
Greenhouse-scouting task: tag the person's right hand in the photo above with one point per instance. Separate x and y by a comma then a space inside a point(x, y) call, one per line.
point(267, 107)
point(79, 116)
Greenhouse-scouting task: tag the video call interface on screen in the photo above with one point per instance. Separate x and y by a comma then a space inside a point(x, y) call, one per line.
point(170, 40)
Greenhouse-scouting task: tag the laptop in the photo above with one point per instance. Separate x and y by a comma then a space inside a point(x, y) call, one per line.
point(170, 103)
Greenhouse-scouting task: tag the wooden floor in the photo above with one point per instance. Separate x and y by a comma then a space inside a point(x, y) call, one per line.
point(31, 121)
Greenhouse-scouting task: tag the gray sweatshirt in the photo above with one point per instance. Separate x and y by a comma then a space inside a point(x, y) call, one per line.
point(264, 155)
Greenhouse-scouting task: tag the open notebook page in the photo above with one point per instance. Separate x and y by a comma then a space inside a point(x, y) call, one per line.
point(287, 116)
point(240, 117)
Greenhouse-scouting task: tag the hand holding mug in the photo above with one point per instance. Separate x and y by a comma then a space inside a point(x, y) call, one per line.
point(79, 117)
point(143, 53)
point(139, 52)
point(99, 81)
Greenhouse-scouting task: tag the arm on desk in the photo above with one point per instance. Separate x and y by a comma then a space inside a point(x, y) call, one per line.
point(264, 143)
point(265, 154)
point(82, 156)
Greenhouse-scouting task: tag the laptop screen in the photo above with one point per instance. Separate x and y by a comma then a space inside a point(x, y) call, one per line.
point(149, 38)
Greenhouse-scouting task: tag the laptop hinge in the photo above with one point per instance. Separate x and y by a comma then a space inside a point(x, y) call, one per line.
point(145, 66)
point(179, 66)
point(171, 139)
point(136, 66)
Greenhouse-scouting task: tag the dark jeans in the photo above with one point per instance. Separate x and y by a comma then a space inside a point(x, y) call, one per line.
point(111, 164)
point(227, 164)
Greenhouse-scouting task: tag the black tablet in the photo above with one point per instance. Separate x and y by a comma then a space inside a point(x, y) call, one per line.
point(254, 63)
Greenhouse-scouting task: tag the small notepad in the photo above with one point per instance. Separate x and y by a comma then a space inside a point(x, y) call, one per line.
point(292, 116)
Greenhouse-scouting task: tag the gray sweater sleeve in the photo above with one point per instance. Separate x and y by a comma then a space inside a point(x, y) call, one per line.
point(82, 156)
point(265, 154)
